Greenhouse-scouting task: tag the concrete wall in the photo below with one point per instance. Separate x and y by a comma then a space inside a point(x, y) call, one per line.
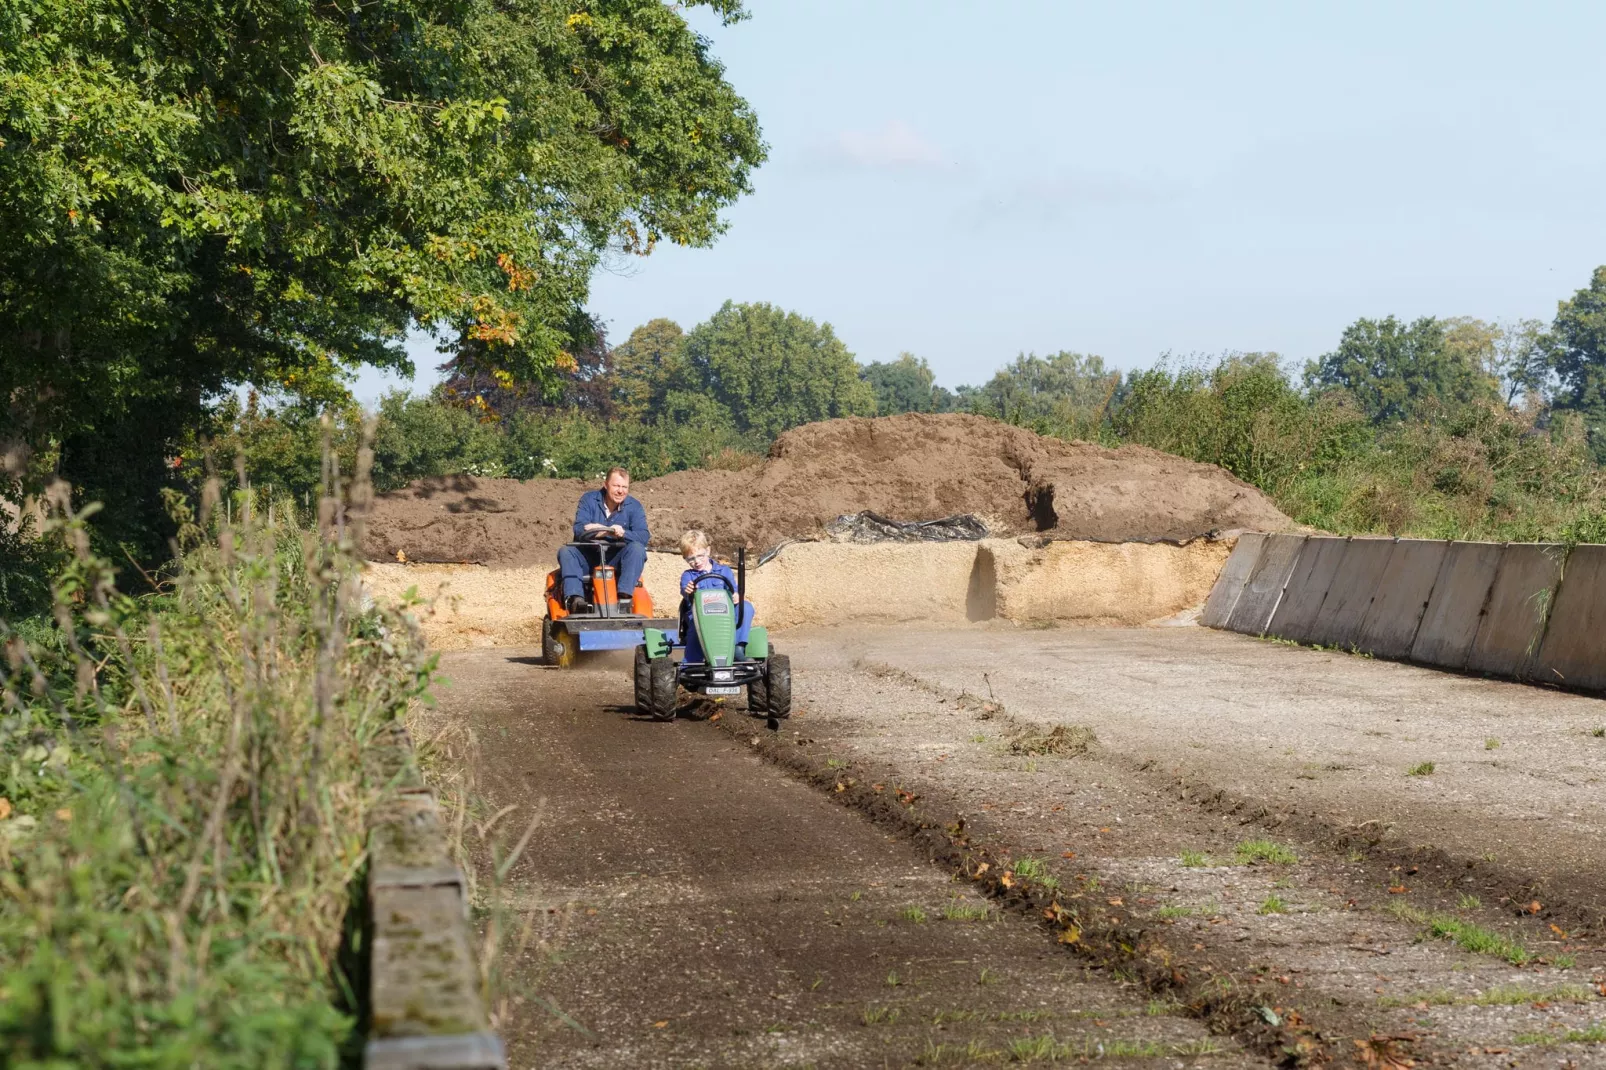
point(1523, 611)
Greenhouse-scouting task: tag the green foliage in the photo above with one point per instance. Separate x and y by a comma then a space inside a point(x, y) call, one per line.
point(645, 367)
point(185, 798)
point(1579, 356)
point(903, 385)
point(196, 195)
point(1396, 371)
point(772, 369)
point(1066, 393)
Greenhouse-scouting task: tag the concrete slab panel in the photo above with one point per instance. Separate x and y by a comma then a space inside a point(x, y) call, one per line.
point(1224, 595)
point(1389, 629)
point(1508, 637)
point(1264, 589)
point(1349, 595)
point(1456, 607)
point(1300, 608)
point(1573, 653)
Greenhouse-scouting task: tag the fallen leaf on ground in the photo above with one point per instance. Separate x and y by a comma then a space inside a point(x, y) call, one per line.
point(1067, 854)
point(1398, 889)
point(1534, 907)
point(1559, 931)
point(660, 1025)
point(1007, 880)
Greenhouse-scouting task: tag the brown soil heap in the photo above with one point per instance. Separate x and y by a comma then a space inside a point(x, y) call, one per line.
point(910, 467)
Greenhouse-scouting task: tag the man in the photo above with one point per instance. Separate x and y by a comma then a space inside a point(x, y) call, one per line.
point(618, 524)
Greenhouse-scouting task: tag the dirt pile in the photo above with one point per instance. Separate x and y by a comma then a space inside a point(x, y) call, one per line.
point(909, 467)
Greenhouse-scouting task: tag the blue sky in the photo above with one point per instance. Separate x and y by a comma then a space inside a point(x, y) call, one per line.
point(967, 181)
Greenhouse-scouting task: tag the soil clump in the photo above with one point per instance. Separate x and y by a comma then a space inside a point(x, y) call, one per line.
point(910, 467)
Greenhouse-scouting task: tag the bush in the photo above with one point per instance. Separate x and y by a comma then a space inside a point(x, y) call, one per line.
point(183, 800)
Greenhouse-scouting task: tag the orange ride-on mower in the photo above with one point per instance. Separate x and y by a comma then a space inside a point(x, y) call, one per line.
point(602, 624)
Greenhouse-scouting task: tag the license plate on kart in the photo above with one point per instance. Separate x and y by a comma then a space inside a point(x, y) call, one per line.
point(723, 689)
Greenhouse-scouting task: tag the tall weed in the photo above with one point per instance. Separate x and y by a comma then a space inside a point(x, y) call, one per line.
point(183, 794)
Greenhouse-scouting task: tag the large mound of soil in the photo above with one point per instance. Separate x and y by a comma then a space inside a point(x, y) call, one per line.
point(910, 467)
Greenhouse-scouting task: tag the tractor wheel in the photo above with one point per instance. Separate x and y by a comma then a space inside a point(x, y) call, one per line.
point(778, 686)
point(758, 696)
point(643, 682)
point(662, 691)
point(559, 646)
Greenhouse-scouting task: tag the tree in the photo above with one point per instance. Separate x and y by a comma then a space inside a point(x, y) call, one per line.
point(1395, 370)
point(645, 367)
point(773, 369)
point(1579, 357)
point(197, 195)
point(1065, 389)
point(903, 385)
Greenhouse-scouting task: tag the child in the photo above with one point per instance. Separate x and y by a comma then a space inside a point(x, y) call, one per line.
point(700, 565)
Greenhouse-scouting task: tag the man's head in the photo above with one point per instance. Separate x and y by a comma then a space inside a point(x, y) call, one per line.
point(616, 488)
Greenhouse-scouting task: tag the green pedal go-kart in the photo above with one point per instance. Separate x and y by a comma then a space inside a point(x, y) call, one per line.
point(726, 666)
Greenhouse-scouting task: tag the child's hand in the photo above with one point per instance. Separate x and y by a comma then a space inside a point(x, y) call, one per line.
point(688, 586)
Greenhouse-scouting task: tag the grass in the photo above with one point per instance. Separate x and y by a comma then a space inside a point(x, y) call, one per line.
point(1492, 743)
point(187, 791)
point(1250, 852)
point(1036, 871)
point(1196, 859)
point(1468, 902)
point(1500, 996)
point(961, 910)
point(1595, 1034)
point(1599, 732)
point(914, 914)
point(1047, 1048)
point(1469, 936)
point(1273, 904)
point(880, 1015)
point(1420, 769)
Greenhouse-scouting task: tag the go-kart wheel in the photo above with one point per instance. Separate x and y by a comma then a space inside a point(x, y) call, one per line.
point(559, 646)
point(643, 682)
point(778, 686)
point(758, 696)
point(661, 689)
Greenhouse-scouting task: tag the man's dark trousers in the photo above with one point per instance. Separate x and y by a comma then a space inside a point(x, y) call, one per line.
point(628, 558)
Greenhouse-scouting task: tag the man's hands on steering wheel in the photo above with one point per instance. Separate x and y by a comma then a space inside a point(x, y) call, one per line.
point(605, 531)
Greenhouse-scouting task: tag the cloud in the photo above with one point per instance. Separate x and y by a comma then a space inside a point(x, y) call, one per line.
point(895, 145)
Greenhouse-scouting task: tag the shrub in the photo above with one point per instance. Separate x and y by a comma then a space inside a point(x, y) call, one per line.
point(183, 799)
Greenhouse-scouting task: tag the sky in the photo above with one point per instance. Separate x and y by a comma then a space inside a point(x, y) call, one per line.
point(970, 181)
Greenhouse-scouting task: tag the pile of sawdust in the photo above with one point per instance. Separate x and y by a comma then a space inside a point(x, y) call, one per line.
point(910, 467)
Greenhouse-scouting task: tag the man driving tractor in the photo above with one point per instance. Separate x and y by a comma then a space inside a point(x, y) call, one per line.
point(617, 523)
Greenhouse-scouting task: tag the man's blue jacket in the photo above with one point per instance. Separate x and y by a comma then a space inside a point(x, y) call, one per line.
point(593, 510)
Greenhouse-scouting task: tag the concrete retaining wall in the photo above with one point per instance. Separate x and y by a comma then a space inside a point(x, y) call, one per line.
point(1524, 611)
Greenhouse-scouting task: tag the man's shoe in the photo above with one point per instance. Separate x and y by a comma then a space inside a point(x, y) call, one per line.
point(626, 603)
point(577, 604)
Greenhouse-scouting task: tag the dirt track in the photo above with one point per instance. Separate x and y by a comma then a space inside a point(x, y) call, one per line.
point(723, 887)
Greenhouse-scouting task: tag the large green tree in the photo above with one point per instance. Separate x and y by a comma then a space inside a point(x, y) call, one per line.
point(772, 369)
point(196, 195)
point(1578, 353)
point(1397, 371)
point(1064, 388)
point(645, 368)
point(903, 385)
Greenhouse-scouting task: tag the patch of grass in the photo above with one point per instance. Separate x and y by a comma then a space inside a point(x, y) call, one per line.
point(914, 914)
point(1273, 904)
point(1420, 769)
point(1171, 912)
point(835, 763)
point(1564, 962)
point(1499, 996)
point(881, 1015)
point(1599, 732)
point(1159, 1008)
point(1195, 859)
point(1250, 852)
point(1491, 743)
point(1036, 871)
point(1595, 1034)
point(974, 1052)
point(1467, 935)
point(893, 980)
point(1468, 902)
point(1036, 1014)
point(961, 910)
point(988, 977)
point(1046, 1048)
